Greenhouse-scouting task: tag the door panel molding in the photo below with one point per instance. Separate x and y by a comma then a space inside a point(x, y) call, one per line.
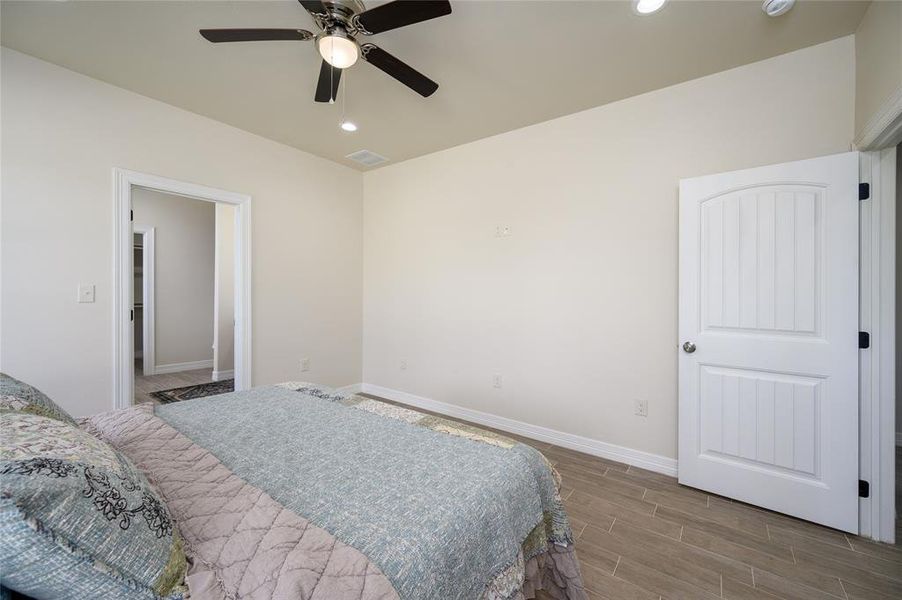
point(769, 234)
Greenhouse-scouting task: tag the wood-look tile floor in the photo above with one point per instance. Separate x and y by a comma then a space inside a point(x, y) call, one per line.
point(642, 536)
point(145, 384)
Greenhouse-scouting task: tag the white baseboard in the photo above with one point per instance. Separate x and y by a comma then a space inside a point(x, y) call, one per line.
point(220, 375)
point(354, 388)
point(185, 366)
point(637, 458)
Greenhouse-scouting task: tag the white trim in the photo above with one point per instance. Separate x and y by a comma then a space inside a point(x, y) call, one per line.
point(184, 366)
point(123, 344)
point(637, 458)
point(883, 339)
point(877, 364)
point(884, 129)
point(220, 375)
point(217, 294)
point(148, 331)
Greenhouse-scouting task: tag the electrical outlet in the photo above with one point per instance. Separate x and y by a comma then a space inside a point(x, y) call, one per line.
point(497, 381)
point(86, 293)
point(403, 365)
point(305, 364)
point(641, 408)
point(502, 230)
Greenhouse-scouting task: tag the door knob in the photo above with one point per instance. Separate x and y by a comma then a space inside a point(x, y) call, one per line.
point(688, 347)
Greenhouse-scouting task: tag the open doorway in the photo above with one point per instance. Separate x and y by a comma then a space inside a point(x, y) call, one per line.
point(182, 292)
point(183, 251)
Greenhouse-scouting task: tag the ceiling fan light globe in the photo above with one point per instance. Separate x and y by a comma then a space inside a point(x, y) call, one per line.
point(775, 8)
point(646, 7)
point(339, 51)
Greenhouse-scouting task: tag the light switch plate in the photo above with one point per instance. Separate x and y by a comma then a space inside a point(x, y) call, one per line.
point(85, 293)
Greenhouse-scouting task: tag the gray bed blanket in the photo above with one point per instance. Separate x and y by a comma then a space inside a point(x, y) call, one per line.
point(443, 510)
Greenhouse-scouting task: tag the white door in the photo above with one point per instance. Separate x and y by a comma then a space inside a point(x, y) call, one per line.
point(768, 367)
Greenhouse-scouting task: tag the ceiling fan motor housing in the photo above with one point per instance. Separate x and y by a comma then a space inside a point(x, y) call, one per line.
point(340, 12)
point(337, 23)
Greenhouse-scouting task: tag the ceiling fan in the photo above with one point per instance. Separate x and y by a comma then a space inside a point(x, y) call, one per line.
point(340, 22)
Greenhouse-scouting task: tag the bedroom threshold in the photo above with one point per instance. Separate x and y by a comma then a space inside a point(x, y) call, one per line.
point(124, 181)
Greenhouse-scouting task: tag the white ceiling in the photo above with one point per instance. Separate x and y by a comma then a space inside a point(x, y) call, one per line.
point(500, 65)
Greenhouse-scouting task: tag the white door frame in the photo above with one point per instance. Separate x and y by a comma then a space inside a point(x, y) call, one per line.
point(877, 364)
point(148, 352)
point(219, 375)
point(879, 137)
point(123, 277)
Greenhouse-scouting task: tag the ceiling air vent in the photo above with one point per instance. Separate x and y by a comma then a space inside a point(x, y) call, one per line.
point(365, 157)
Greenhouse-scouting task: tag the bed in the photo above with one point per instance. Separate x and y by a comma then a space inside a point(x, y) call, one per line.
point(298, 491)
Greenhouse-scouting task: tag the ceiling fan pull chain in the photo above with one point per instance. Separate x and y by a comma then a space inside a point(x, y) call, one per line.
point(331, 71)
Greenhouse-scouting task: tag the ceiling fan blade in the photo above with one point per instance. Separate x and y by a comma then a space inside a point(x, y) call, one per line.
point(254, 35)
point(398, 69)
point(327, 86)
point(399, 14)
point(314, 6)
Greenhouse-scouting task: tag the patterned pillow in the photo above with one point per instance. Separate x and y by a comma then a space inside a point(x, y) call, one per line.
point(78, 520)
point(18, 395)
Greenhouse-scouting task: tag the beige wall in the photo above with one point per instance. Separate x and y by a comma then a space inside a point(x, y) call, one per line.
point(224, 292)
point(577, 308)
point(878, 60)
point(62, 133)
point(183, 274)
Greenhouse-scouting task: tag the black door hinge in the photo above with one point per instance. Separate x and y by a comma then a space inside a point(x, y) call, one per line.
point(864, 489)
point(133, 314)
point(131, 215)
point(864, 191)
point(864, 339)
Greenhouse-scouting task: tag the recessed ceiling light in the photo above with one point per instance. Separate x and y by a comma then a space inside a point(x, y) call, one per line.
point(646, 7)
point(348, 126)
point(775, 8)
